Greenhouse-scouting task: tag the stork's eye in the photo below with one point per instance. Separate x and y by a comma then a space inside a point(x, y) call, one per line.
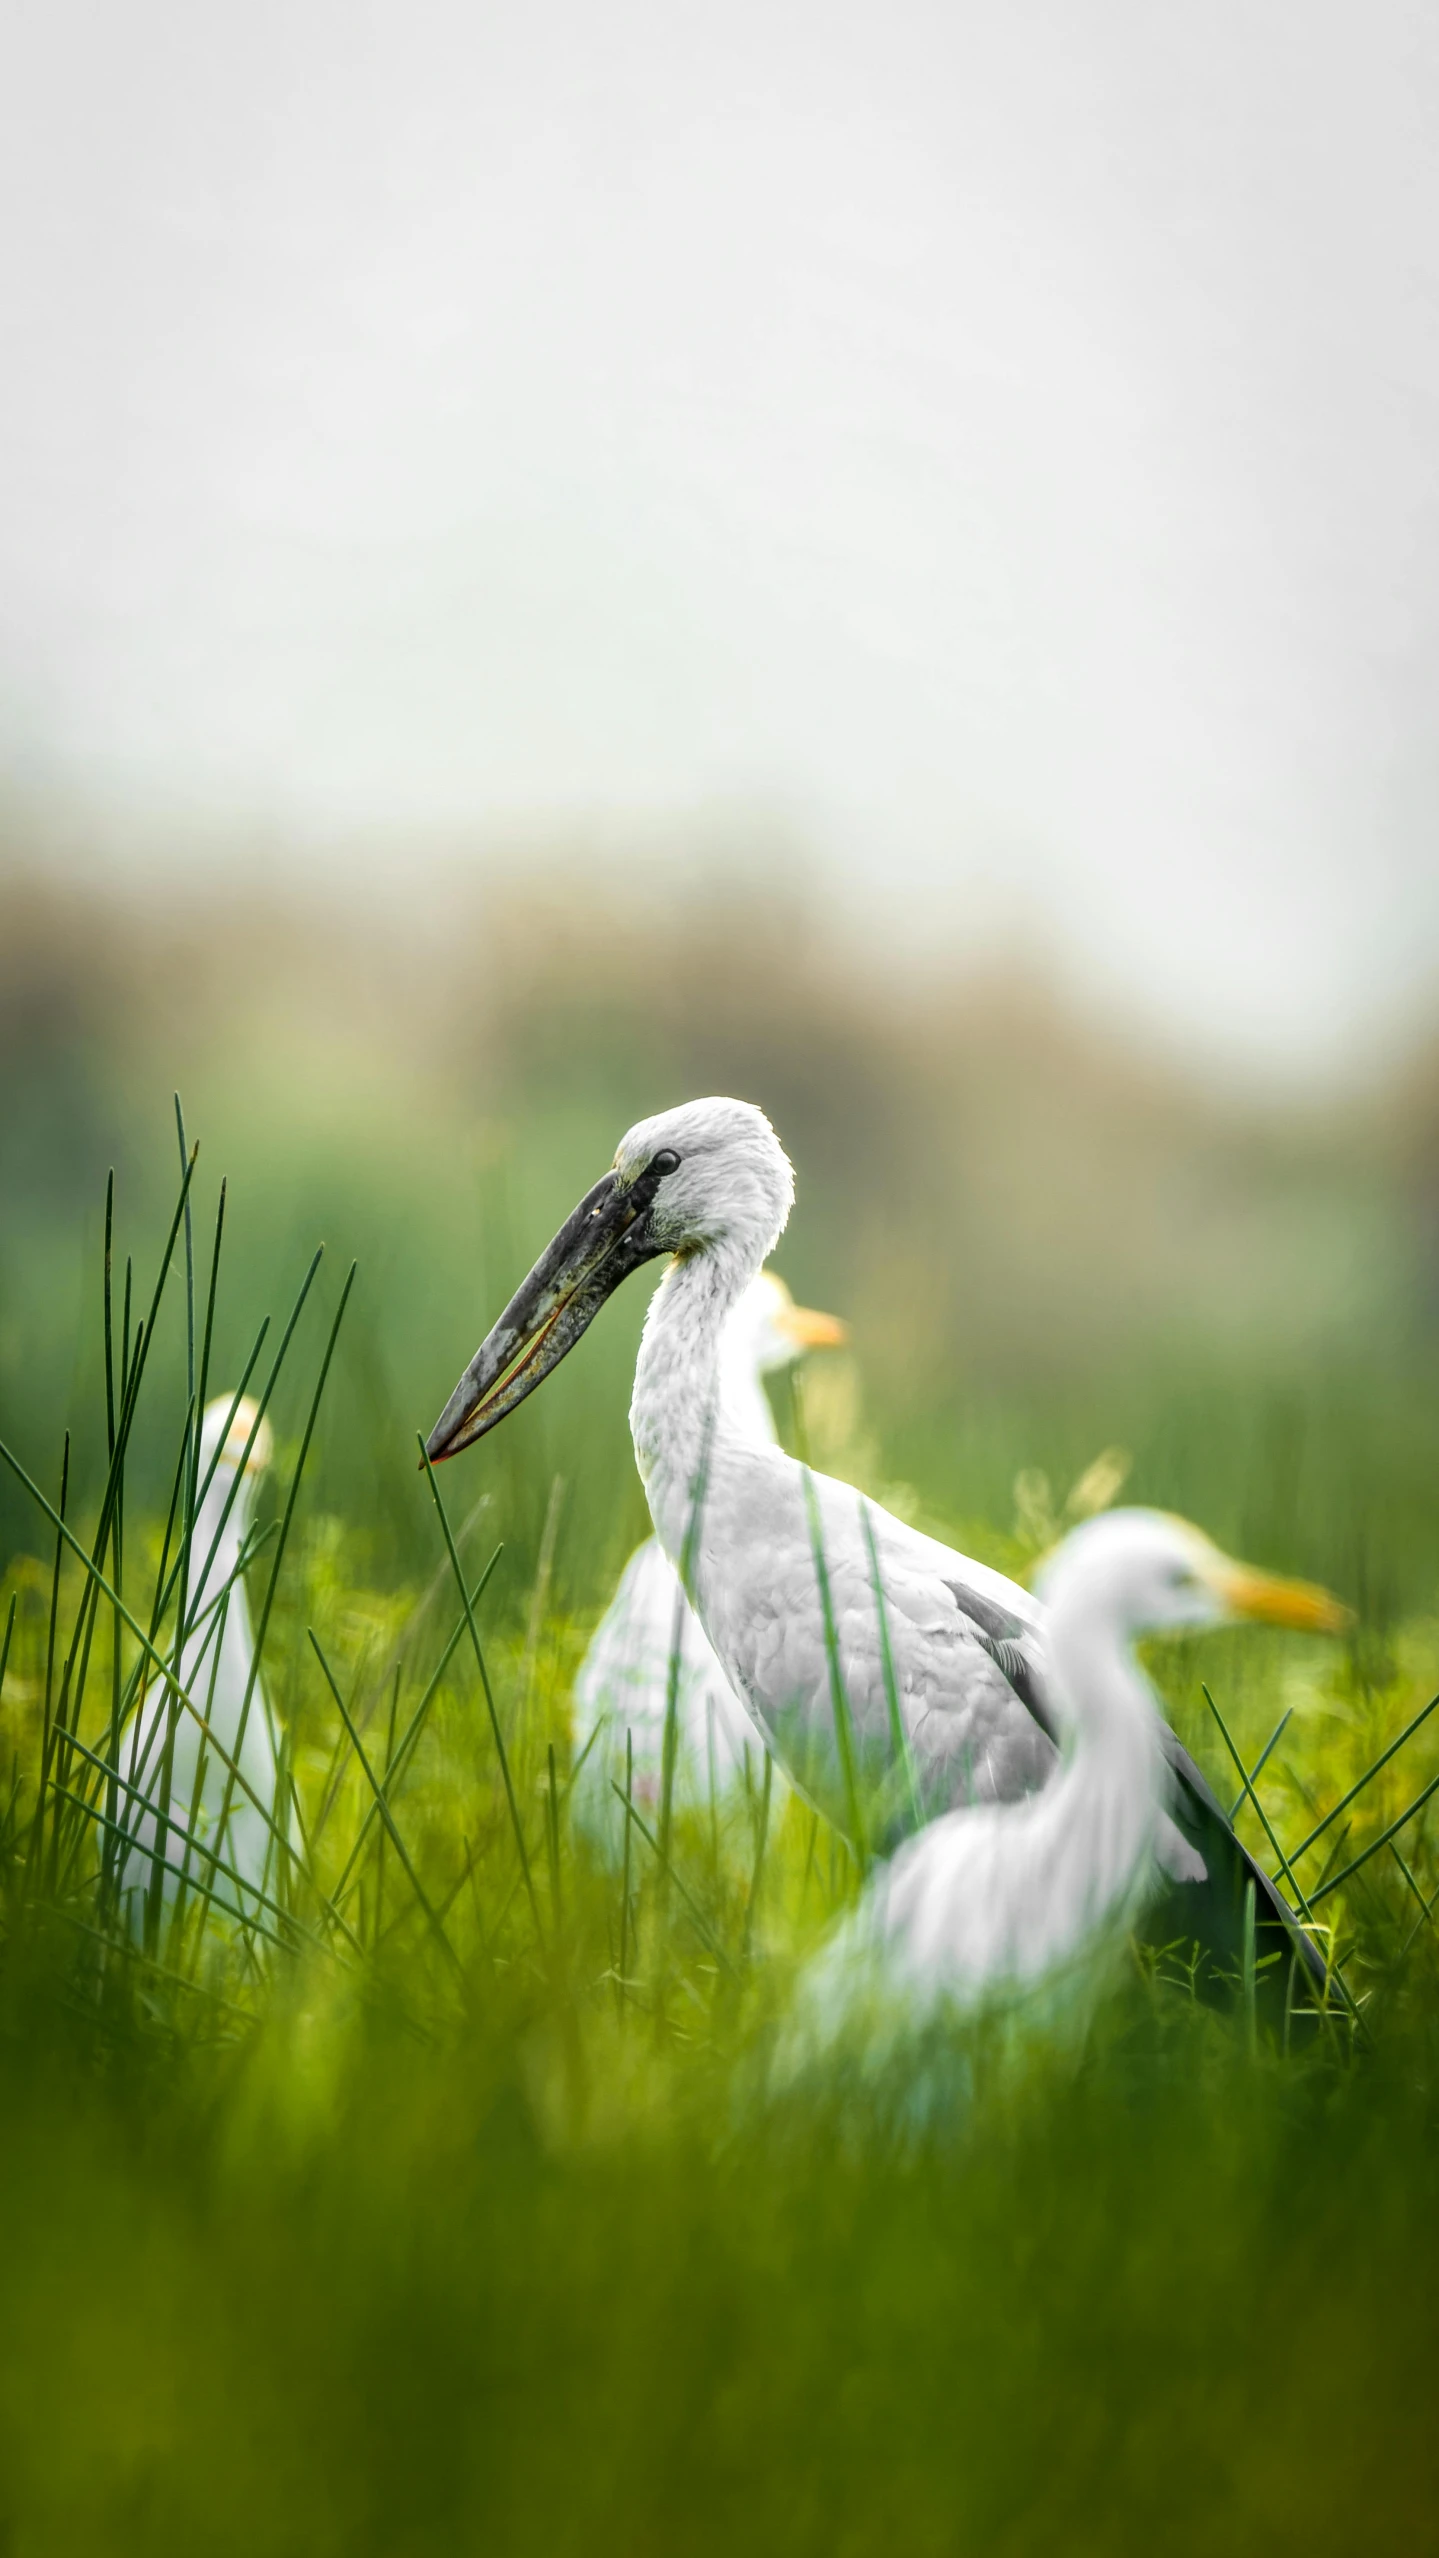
point(665, 1161)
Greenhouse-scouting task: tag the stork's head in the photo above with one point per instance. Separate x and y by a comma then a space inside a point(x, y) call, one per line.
point(1144, 1572)
point(235, 1436)
point(710, 1176)
point(726, 1181)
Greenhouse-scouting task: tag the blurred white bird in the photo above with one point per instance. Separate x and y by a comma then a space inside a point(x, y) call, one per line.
point(623, 1683)
point(215, 1668)
point(893, 1678)
point(999, 1900)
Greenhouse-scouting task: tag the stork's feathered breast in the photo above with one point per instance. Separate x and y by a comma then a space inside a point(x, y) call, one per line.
point(781, 1581)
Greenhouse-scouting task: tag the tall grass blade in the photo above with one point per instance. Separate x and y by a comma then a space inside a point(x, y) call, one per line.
point(701, 1923)
point(109, 1313)
point(898, 1736)
point(1335, 1852)
point(684, 1597)
point(125, 1326)
point(189, 1258)
point(185, 1487)
point(202, 1390)
point(629, 1796)
point(133, 1371)
point(552, 1839)
point(213, 1857)
point(1369, 1774)
point(50, 1637)
point(539, 1597)
point(1248, 1970)
point(1425, 1918)
point(1356, 1863)
point(1332, 1970)
point(386, 1815)
point(62, 1535)
point(409, 1739)
point(761, 1843)
point(385, 1790)
point(125, 1950)
point(244, 1918)
point(155, 1659)
point(133, 1364)
point(1260, 1764)
point(499, 1737)
point(439, 1580)
point(9, 1636)
point(670, 1728)
point(839, 1701)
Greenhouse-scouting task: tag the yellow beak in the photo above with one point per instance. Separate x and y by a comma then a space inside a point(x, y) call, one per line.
point(810, 1330)
point(1247, 1592)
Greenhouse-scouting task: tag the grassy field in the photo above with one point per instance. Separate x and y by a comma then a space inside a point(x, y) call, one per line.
point(444, 2207)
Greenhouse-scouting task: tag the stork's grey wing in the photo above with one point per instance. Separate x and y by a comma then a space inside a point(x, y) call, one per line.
point(978, 1725)
point(1003, 1637)
point(797, 1599)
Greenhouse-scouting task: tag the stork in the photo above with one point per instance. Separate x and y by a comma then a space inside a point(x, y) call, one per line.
point(650, 1630)
point(894, 1679)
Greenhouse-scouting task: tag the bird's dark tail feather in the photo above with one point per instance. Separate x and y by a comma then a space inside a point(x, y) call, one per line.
point(1210, 1914)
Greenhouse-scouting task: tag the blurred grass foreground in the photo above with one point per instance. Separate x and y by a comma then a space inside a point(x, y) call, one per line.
point(429, 2199)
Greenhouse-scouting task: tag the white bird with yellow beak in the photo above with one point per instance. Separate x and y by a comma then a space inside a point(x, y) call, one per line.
point(890, 1675)
point(217, 1672)
point(998, 1900)
point(622, 1690)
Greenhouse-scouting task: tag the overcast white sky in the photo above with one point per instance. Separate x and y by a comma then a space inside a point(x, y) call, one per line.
point(999, 439)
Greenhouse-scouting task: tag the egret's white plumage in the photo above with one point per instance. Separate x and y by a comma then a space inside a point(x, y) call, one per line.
point(623, 1683)
point(216, 1661)
point(999, 1899)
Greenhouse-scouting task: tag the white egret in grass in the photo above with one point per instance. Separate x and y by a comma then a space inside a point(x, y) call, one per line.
point(894, 1679)
point(996, 1900)
point(168, 1763)
point(650, 1632)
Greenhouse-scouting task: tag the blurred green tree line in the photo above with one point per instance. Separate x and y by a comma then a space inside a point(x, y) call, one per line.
point(1046, 1235)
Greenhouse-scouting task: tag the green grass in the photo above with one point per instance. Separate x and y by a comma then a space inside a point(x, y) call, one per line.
point(441, 2206)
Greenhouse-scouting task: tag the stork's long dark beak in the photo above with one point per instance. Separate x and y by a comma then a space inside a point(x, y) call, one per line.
point(606, 1237)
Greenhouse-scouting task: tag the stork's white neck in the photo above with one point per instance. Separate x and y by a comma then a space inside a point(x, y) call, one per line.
point(740, 1384)
point(677, 1415)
